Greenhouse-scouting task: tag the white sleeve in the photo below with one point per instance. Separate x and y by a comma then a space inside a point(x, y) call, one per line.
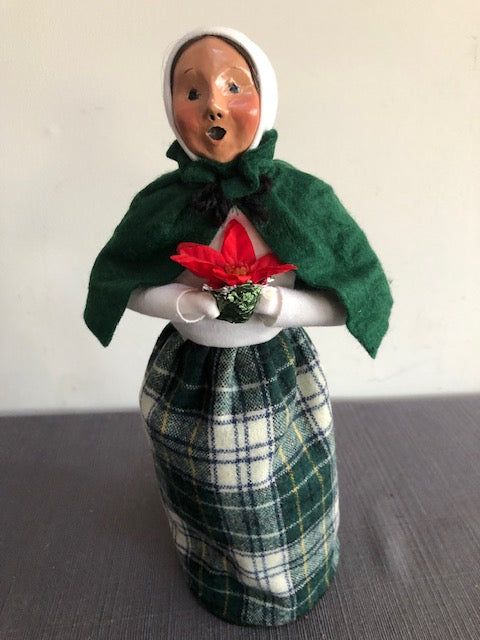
point(284, 307)
point(175, 301)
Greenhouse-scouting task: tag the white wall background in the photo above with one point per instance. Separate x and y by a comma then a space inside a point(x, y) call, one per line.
point(380, 98)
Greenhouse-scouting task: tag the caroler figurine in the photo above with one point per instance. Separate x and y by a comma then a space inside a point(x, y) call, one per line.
point(240, 251)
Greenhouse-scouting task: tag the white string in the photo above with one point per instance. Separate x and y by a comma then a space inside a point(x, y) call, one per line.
point(180, 314)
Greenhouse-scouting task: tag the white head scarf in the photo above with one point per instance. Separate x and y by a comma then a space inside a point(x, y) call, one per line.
point(265, 73)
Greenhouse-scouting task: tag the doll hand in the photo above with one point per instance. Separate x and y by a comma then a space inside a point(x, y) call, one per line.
point(283, 307)
point(194, 305)
point(269, 302)
point(174, 301)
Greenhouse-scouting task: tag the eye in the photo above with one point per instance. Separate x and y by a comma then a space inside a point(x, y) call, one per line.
point(193, 94)
point(233, 88)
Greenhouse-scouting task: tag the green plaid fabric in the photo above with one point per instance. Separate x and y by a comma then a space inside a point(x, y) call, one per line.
point(245, 457)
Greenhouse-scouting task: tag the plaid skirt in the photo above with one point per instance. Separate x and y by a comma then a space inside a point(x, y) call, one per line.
point(243, 445)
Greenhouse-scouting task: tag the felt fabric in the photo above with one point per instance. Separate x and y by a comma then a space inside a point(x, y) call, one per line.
point(307, 226)
point(244, 452)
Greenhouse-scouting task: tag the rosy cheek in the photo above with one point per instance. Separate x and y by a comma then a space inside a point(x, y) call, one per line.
point(245, 109)
point(186, 116)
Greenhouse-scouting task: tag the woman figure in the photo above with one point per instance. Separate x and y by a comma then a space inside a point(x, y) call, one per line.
point(238, 414)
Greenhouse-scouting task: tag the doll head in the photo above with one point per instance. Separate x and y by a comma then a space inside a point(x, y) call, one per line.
point(220, 93)
point(215, 103)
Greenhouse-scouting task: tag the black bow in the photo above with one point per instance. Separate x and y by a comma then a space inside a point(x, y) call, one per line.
point(211, 201)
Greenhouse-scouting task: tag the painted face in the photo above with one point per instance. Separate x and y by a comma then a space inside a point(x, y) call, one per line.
point(216, 106)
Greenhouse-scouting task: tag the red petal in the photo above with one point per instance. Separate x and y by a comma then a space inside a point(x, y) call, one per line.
point(201, 252)
point(237, 248)
point(269, 265)
point(198, 258)
point(199, 268)
point(215, 283)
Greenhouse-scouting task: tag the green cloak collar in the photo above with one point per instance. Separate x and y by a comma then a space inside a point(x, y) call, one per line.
point(238, 178)
point(307, 226)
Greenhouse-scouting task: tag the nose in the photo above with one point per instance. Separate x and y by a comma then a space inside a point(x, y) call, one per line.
point(216, 107)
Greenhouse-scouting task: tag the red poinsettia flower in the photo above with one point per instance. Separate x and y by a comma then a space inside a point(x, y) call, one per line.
point(234, 264)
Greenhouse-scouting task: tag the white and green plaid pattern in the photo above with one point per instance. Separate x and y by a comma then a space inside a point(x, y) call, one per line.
point(244, 452)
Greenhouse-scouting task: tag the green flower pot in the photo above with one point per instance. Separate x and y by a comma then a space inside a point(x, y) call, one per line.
point(237, 304)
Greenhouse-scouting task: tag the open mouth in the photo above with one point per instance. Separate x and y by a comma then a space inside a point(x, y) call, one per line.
point(216, 133)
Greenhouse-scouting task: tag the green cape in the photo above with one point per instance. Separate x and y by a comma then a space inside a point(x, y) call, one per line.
point(308, 226)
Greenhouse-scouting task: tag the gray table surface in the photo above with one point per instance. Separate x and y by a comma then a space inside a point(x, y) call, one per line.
point(86, 551)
